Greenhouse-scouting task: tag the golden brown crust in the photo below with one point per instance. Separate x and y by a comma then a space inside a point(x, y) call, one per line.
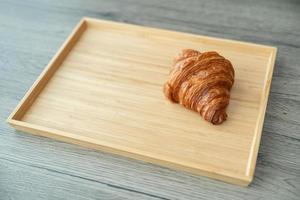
point(201, 82)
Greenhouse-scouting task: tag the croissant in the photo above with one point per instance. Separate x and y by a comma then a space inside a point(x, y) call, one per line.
point(201, 82)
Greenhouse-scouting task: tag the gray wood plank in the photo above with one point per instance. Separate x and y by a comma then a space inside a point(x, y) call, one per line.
point(40, 168)
point(19, 181)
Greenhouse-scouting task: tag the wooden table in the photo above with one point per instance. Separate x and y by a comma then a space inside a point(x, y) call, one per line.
point(34, 167)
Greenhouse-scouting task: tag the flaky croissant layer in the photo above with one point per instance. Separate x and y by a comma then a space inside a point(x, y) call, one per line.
point(201, 82)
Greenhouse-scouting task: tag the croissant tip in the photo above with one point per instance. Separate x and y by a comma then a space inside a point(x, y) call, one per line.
point(167, 89)
point(219, 118)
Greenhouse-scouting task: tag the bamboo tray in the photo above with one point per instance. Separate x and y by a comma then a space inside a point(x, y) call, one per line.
point(103, 90)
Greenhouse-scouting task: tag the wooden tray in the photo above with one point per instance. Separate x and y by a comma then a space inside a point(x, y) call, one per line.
point(103, 89)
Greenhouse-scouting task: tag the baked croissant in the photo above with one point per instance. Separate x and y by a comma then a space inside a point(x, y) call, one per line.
point(201, 82)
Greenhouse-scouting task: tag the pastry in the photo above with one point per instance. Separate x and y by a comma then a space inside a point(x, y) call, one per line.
point(201, 82)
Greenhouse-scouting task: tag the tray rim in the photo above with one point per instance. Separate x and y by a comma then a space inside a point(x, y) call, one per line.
point(15, 117)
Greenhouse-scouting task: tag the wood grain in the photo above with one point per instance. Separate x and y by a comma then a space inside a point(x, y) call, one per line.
point(106, 93)
point(30, 42)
